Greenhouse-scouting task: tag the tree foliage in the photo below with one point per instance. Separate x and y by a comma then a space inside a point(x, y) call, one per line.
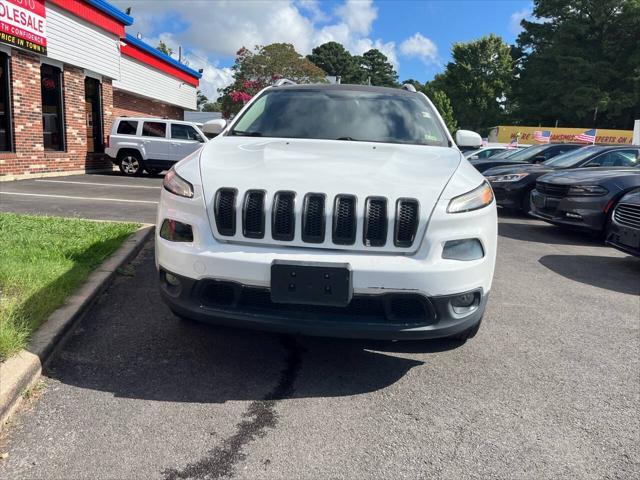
point(579, 56)
point(376, 69)
point(253, 71)
point(478, 82)
point(201, 100)
point(212, 107)
point(334, 59)
point(443, 104)
point(164, 48)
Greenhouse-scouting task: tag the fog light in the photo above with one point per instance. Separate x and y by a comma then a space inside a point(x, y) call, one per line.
point(465, 250)
point(465, 303)
point(172, 279)
point(176, 231)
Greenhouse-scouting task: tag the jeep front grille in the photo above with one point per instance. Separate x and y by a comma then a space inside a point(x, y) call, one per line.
point(343, 215)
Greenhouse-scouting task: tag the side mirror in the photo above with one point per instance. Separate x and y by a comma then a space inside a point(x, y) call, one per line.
point(467, 138)
point(474, 157)
point(214, 127)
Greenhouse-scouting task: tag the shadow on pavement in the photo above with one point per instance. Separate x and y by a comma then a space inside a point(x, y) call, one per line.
point(131, 345)
point(549, 234)
point(612, 273)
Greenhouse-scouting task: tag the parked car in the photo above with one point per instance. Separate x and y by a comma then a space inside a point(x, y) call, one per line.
point(491, 150)
point(534, 154)
point(317, 224)
point(623, 230)
point(151, 144)
point(513, 185)
point(582, 198)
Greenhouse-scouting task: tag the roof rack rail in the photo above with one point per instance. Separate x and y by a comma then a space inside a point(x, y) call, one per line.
point(408, 87)
point(284, 81)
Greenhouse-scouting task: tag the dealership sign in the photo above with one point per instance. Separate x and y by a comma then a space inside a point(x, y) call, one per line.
point(23, 24)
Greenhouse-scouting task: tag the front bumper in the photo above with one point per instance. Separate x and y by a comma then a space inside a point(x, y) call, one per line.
point(509, 194)
point(624, 238)
point(585, 213)
point(384, 316)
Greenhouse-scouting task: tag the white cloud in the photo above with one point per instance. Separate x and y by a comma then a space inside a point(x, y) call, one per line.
point(516, 18)
point(217, 30)
point(419, 46)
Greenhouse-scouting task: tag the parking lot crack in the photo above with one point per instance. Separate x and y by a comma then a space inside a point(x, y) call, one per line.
point(259, 416)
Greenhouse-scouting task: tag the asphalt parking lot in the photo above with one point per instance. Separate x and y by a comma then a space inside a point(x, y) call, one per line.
point(104, 196)
point(548, 389)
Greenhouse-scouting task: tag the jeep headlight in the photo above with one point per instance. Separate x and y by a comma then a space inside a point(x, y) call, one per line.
point(177, 185)
point(510, 177)
point(477, 198)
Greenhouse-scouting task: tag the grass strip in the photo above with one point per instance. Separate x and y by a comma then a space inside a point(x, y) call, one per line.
point(42, 261)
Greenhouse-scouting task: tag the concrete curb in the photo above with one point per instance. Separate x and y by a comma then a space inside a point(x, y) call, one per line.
point(22, 371)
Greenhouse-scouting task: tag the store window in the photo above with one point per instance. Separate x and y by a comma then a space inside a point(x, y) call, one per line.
point(52, 110)
point(6, 137)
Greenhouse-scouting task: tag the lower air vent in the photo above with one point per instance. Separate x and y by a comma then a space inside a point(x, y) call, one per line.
point(375, 222)
point(407, 210)
point(313, 221)
point(283, 219)
point(224, 211)
point(253, 214)
point(344, 220)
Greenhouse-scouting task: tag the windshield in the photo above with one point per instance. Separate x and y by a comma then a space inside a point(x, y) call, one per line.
point(524, 155)
point(571, 158)
point(342, 114)
point(506, 153)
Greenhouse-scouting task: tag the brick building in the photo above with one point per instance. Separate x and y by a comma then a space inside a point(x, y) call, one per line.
point(67, 68)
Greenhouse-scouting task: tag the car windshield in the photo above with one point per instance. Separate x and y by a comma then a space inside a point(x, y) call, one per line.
point(569, 159)
point(527, 153)
point(342, 114)
point(506, 153)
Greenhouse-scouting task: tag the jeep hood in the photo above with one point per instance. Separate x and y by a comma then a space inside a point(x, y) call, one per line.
point(327, 166)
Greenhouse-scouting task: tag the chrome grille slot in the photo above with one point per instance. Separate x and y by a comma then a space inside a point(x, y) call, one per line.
point(375, 222)
point(627, 215)
point(225, 211)
point(344, 220)
point(253, 214)
point(406, 225)
point(283, 216)
point(313, 220)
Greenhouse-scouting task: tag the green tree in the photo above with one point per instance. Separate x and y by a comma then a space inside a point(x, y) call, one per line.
point(443, 104)
point(212, 107)
point(478, 82)
point(376, 69)
point(253, 71)
point(334, 59)
point(580, 64)
point(201, 99)
point(164, 48)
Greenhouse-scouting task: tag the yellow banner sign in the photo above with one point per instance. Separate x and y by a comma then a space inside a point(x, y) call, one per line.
point(504, 134)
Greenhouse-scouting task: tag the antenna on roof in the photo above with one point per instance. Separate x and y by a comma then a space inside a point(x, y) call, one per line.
point(408, 87)
point(284, 81)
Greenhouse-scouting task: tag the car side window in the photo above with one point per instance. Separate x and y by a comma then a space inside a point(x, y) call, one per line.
point(184, 132)
point(617, 158)
point(127, 127)
point(154, 129)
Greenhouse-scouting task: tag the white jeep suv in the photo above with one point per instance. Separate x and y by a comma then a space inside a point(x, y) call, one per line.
point(336, 210)
point(151, 144)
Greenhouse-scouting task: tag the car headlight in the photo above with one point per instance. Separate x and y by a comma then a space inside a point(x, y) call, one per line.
point(177, 185)
point(477, 198)
point(587, 191)
point(511, 177)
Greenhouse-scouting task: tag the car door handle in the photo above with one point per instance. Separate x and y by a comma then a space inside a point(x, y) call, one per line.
point(175, 144)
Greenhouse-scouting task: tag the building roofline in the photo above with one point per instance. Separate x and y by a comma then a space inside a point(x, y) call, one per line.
point(158, 54)
point(111, 11)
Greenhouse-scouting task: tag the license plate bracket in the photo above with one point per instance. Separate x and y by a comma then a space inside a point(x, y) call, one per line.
point(629, 238)
point(311, 283)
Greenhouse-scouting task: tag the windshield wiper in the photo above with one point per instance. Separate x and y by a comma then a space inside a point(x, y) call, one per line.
point(347, 138)
point(241, 133)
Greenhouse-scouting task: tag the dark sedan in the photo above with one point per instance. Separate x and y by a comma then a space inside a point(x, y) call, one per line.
point(582, 198)
point(512, 185)
point(624, 228)
point(535, 154)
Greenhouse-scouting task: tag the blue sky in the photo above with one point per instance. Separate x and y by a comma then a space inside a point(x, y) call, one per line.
point(416, 35)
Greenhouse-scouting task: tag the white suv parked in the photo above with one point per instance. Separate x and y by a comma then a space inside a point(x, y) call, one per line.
point(151, 144)
point(337, 210)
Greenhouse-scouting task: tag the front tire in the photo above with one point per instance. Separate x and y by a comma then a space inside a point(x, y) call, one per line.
point(130, 163)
